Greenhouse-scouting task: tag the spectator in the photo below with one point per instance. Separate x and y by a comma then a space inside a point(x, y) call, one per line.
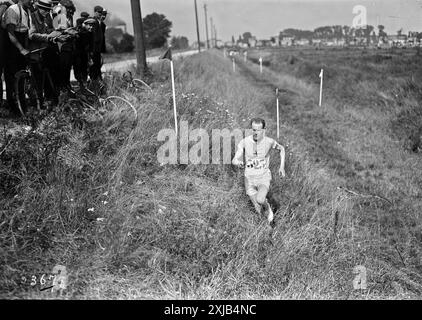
point(17, 21)
point(3, 41)
point(41, 36)
point(103, 29)
point(97, 42)
point(66, 48)
point(83, 48)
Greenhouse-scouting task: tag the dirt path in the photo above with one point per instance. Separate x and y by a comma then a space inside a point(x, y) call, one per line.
point(323, 144)
point(127, 64)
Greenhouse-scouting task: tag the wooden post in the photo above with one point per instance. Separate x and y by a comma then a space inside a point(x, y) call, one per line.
point(174, 97)
point(138, 29)
point(197, 27)
point(260, 65)
point(321, 75)
point(278, 115)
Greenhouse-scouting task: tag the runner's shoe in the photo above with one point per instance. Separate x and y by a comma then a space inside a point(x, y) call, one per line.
point(270, 214)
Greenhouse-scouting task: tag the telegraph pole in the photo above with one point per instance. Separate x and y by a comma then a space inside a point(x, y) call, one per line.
point(197, 28)
point(206, 25)
point(138, 29)
point(215, 35)
point(212, 31)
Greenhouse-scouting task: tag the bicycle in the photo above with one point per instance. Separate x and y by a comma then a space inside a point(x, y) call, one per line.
point(25, 80)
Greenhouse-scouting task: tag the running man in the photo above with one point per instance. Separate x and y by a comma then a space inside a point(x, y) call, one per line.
point(256, 149)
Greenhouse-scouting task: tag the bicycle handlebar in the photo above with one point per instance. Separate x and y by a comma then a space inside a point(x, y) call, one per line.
point(37, 50)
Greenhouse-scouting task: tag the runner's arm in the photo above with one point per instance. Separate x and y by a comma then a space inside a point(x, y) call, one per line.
point(237, 160)
point(279, 147)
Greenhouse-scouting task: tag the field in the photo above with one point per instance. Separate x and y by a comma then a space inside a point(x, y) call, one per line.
point(115, 57)
point(86, 191)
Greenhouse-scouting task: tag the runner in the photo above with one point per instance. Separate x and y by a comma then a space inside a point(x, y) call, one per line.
point(256, 149)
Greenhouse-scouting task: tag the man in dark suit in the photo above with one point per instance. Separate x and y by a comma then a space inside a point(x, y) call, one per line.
point(103, 29)
point(3, 44)
point(97, 43)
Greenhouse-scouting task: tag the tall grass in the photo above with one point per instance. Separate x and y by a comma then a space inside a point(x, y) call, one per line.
point(129, 228)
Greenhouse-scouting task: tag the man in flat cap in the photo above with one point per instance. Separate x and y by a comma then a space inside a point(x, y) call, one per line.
point(3, 44)
point(41, 36)
point(97, 42)
point(83, 49)
point(103, 29)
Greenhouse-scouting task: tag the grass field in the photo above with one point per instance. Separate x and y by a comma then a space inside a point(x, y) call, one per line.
point(87, 192)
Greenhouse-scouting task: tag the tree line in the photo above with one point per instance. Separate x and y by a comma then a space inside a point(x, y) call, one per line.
point(337, 32)
point(157, 29)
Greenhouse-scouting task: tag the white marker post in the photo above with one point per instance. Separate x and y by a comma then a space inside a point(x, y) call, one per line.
point(174, 95)
point(168, 55)
point(234, 65)
point(245, 54)
point(321, 75)
point(225, 54)
point(278, 115)
point(260, 64)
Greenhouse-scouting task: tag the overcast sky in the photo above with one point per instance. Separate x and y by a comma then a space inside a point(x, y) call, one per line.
point(266, 18)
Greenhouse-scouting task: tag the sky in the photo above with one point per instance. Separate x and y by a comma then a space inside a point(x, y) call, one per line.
point(266, 18)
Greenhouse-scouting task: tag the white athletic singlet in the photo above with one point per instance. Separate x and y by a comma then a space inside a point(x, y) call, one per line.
point(257, 155)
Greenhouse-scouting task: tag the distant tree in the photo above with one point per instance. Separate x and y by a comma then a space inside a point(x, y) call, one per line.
point(382, 35)
point(399, 32)
point(180, 42)
point(247, 36)
point(359, 32)
point(297, 34)
point(368, 31)
point(374, 37)
point(157, 30)
point(119, 41)
point(114, 33)
point(346, 32)
point(324, 32)
point(126, 45)
point(233, 41)
point(338, 32)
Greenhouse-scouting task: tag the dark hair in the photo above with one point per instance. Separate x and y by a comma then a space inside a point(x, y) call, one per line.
point(258, 120)
point(98, 9)
point(68, 4)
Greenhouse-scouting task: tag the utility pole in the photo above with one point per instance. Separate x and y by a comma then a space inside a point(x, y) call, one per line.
point(206, 25)
point(138, 29)
point(197, 28)
point(215, 35)
point(212, 31)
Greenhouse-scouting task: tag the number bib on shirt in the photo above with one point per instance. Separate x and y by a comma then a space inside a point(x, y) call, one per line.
point(256, 164)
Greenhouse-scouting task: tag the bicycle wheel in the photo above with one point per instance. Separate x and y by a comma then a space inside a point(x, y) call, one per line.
point(25, 89)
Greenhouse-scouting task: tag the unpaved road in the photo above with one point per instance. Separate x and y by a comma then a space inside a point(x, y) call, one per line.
point(125, 65)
